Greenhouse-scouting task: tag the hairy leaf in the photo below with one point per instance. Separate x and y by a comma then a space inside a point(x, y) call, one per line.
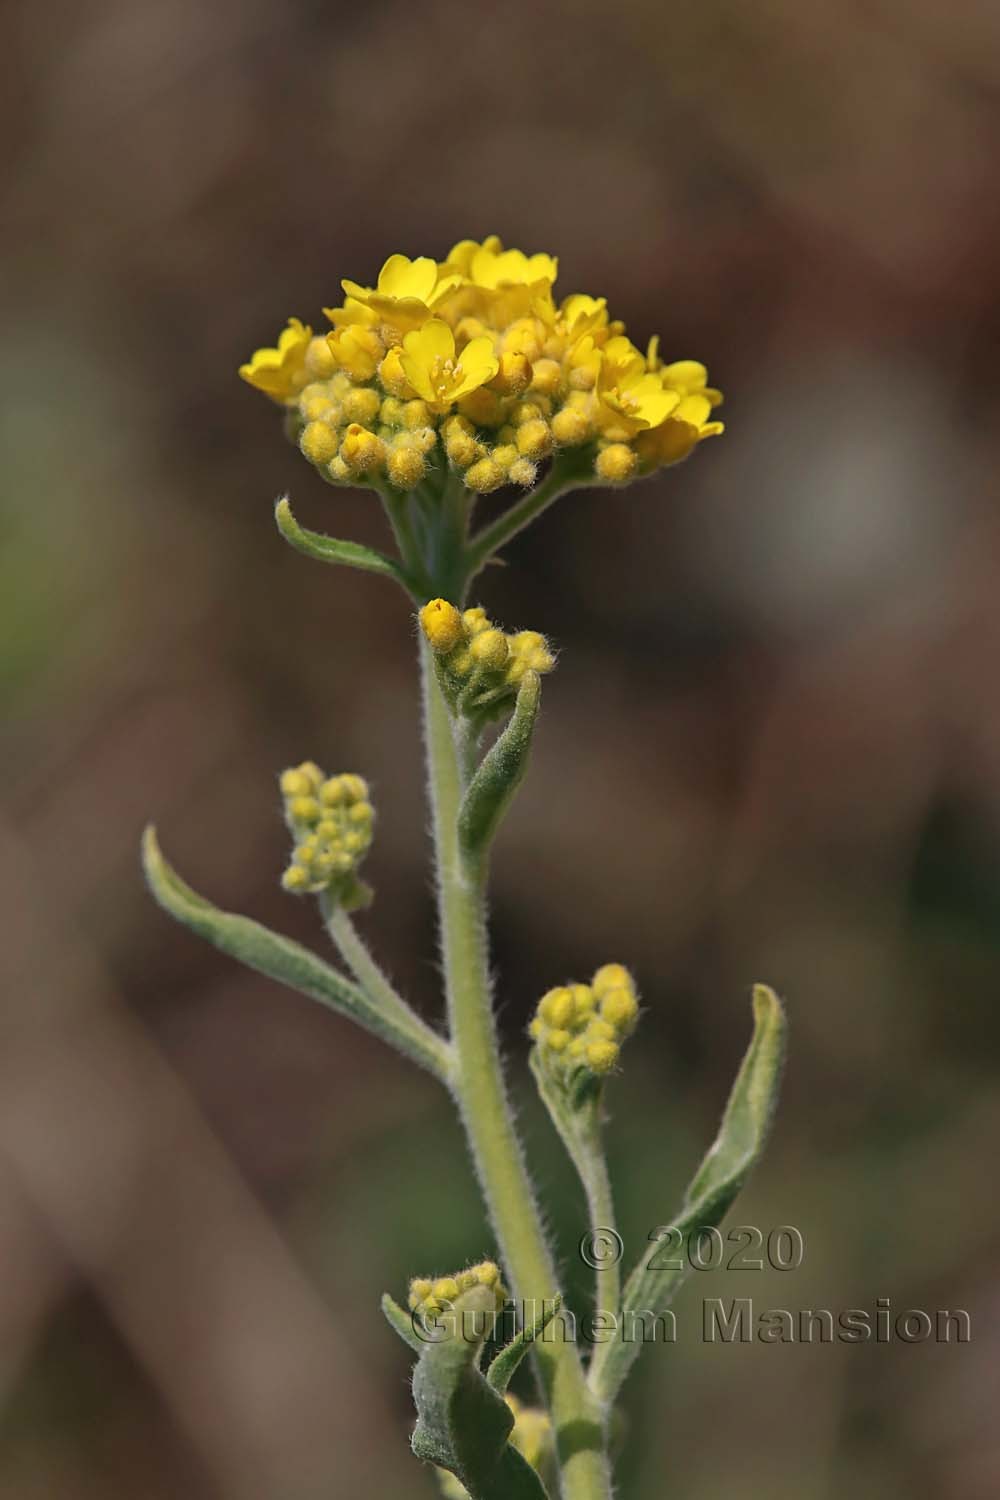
point(502, 770)
point(282, 959)
point(331, 549)
point(725, 1168)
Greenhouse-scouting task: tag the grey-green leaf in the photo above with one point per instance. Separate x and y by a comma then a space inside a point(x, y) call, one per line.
point(331, 549)
point(282, 959)
point(501, 1370)
point(463, 1424)
point(501, 772)
point(401, 1323)
point(725, 1168)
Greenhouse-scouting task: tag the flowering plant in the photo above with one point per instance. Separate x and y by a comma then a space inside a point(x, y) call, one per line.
point(443, 382)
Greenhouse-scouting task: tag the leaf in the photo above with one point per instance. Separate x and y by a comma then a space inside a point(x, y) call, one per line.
point(722, 1173)
point(400, 1322)
point(331, 549)
point(462, 1423)
point(501, 1370)
point(282, 959)
point(502, 770)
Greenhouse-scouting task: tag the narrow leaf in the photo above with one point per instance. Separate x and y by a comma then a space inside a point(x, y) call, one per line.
point(501, 772)
point(501, 1370)
point(331, 549)
point(400, 1322)
point(282, 959)
point(720, 1177)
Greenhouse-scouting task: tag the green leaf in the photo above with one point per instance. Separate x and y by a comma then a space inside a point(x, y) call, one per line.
point(400, 1322)
point(462, 1423)
point(330, 549)
point(501, 1370)
point(501, 772)
point(282, 959)
point(725, 1168)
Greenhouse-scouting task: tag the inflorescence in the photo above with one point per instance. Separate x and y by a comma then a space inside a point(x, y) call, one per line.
point(330, 819)
point(471, 363)
point(582, 1026)
point(431, 1295)
point(480, 667)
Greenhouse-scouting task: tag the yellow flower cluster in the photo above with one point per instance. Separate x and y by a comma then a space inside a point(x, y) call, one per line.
point(583, 1025)
point(472, 361)
point(531, 1435)
point(330, 819)
point(481, 668)
point(428, 1296)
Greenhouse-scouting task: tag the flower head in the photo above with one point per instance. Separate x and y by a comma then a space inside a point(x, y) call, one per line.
point(579, 1028)
point(480, 667)
point(470, 364)
point(330, 819)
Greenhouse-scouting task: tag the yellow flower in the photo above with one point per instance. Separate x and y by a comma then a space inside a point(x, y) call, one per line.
point(281, 373)
point(632, 392)
point(437, 372)
point(689, 421)
point(460, 256)
point(471, 354)
point(500, 285)
point(493, 267)
point(407, 291)
point(580, 315)
point(678, 436)
point(357, 349)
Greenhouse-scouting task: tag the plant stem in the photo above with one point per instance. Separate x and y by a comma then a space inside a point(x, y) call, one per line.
point(355, 953)
point(564, 475)
point(593, 1168)
point(485, 1111)
point(579, 1128)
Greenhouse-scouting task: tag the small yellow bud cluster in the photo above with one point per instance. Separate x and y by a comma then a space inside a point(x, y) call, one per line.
point(330, 819)
point(430, 1295)
point(473, 355)
point(583, 1025)
point(481, 667)
point(355, 431)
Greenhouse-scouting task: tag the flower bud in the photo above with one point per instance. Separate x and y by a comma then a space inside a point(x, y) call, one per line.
point(570, 427)
point(490, 650)
point(616, 463)
point(361, 405)
point(318, 442)
point(361, 450)
point(406, 468)
point(534, 439)
point(442, 625)
point(484, 476)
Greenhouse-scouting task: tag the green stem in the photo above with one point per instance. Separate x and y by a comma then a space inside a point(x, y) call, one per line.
point(395, 506)
point(380, 991)
point(485, 1111)
point(592, 1166)
point(579, 1127)
point(565, 474)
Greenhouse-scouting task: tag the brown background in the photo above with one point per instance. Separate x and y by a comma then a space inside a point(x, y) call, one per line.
point(771, 749)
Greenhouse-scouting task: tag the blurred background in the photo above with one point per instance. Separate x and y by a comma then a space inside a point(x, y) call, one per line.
point(771, 751)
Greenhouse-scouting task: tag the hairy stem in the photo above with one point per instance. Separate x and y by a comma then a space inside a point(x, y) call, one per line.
point(593, 1168)
point(564, 475)
point(485, 1110)
point(378, 988)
